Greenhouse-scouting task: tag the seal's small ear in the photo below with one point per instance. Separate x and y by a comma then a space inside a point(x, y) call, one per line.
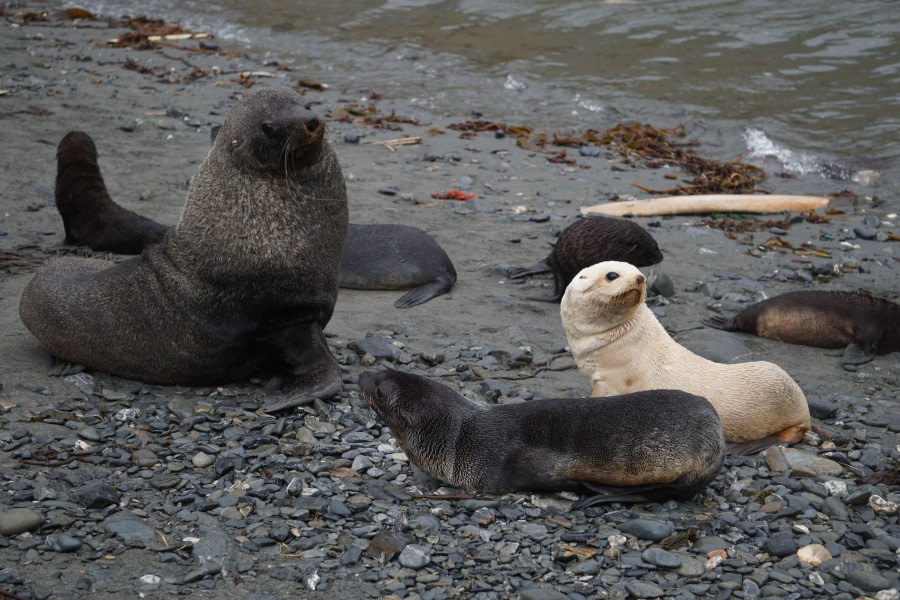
point(213, 133)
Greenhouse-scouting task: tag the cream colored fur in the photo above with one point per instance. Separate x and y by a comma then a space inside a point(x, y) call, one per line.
point(620, 347)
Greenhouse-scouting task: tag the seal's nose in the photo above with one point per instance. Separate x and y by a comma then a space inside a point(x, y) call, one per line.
point(640, 279)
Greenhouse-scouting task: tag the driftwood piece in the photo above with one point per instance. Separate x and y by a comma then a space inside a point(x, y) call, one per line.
point(708, 203)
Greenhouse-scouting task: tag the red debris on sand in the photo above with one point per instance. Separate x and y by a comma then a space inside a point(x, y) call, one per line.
point(454, 195)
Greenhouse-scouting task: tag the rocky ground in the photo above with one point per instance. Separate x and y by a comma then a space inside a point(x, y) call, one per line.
point(111, 488)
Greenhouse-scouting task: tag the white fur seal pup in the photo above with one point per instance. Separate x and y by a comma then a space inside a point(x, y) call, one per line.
point(620, 347)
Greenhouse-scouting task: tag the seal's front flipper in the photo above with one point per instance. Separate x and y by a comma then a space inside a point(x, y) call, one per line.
point(311, 371)
point(650, 492)
point(424, 293)
point(535, 269)
point(61, 368)
point(323, 383)
point(858, 353)
point(719, 323)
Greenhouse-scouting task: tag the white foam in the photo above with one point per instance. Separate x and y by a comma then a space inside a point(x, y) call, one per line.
point(512, 83)
point(588, 104)
point(760, 146)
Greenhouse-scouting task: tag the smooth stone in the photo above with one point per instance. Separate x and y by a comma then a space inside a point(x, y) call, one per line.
point(130, 528)
point(63, 543)
point(775, 459)
point(868, 581)
point(814, 554)
point(414, 557)
point(201, 460)
point(639, 589)
point(834, 507)
point(646, 529)
point(144, 458)
point(386, 545)
point(821, 408)
point(90, 433)
point(19, 520)
point(541, 593)
point(721, 346)
point(781, 544)
point(661, 558)
point(216, 547)
point(690, 567)
point(804, 464)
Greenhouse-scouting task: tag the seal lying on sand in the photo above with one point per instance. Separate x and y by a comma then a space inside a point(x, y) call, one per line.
point(588, 241)
point(643, 447)
point(376, 257)
point(245, 283)
point(620, 347)
point(396, 257)
point(89, 215)
point(862, 324)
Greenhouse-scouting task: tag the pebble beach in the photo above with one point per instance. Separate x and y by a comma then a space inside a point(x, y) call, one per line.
point(111, 488)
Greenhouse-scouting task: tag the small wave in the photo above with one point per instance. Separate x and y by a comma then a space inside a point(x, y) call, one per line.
point(588, 104)
point(760, 146)
point(512, 83)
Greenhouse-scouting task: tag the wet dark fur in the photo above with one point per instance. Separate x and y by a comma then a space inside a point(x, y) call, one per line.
point(396, 257)
point(589, 241)
point(90, 217)
point(866, 325)
point(594, 445)
point(218, 299)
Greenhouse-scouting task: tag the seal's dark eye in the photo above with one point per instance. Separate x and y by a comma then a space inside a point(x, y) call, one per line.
point(268, 129)
point(612, 276)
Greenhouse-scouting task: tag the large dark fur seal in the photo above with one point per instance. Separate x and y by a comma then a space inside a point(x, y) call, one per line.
point(588, 241)
point(376, 257)
point(90, 217)
point(861, 323)
point(244, 284)
point(642, 447)
point(396, 257)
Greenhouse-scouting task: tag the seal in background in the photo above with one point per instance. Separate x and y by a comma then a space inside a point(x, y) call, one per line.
point(862, 324)
point(588, 241)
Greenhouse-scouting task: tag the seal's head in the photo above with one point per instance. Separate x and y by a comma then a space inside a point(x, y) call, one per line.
point(423, 415)
point(271, 131)
point(604, 295)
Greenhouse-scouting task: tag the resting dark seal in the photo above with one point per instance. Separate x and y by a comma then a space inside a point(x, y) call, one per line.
point(396, 257)
point(861, 323)
point(89, 215)
point(642, 447)
point(588, 241)
point(244, 284)
point(376, 257)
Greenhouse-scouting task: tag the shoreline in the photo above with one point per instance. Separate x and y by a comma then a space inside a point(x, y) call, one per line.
point(269, 538)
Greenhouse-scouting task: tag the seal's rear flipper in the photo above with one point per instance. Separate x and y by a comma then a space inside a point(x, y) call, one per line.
point(858, 353)
point(300, 390)
point(791, 435)
point(424, 293)
point(535, 269)
point(719, 323)
point(650, 492)
point(555, 298)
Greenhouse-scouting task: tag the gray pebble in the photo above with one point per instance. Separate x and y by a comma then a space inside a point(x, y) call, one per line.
point(646, 529)
point(63, 543)
point(19, 520)
point(414, 556)
point(661, 558)
point(781, 544)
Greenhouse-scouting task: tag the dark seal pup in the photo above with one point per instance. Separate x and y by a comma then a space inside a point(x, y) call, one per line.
point(396, 257)
point(588, 241)
point(90, 217)
point(642, 447)
point(376, 257)
point(861, 323)
point(244, 284)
